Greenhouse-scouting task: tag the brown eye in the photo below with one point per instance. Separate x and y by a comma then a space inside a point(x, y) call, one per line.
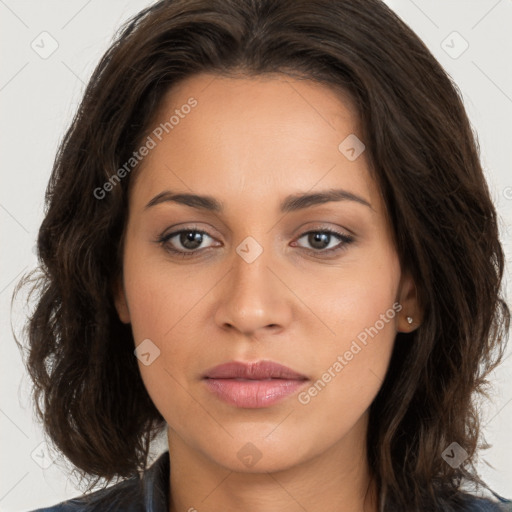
point(187, 242)
point(324, 241)
point(184, 241)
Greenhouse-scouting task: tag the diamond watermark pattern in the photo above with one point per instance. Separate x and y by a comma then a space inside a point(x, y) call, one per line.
point(351, 147)
point(44, 45)
point(42, 456)
point(249, 454)
point(147, 352)
point(455, 455)
point(454, 45)
point(249, 249)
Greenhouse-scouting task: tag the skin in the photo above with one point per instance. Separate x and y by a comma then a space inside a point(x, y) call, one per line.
point(250, 142)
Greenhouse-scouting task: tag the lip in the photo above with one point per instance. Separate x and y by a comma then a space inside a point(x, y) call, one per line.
point(253, 385)
point(258, 370)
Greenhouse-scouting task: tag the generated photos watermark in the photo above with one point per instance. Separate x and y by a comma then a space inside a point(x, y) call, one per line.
point(342, 360)
point(149, 144)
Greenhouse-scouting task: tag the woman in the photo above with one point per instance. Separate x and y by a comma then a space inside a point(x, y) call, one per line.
point(268, 233)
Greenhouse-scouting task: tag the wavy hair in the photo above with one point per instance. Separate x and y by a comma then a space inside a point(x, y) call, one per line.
point(423, 154)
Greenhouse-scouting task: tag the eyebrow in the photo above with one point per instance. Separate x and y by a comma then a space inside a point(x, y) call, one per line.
point(291, 203)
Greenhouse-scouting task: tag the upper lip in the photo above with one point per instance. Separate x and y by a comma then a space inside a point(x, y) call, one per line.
point(254, 371)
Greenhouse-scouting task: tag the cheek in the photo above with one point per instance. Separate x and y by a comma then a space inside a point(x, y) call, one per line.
point(362, 310)
point(352, 372)
point(352, 368)
point(361, 301)
point(162, 307)
point(159, 318)
point(160, 295)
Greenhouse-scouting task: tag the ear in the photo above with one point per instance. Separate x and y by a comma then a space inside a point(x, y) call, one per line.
point(120, 301)
point(410, 316)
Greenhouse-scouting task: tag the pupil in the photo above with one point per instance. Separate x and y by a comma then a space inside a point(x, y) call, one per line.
point(191, 239)
point(319, 240)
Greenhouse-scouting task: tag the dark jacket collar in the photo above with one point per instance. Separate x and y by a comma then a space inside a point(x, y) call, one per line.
point(151, 494)
point(156, 485)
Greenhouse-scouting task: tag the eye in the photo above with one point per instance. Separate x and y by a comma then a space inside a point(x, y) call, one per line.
point(188, 241)
point(320, 240)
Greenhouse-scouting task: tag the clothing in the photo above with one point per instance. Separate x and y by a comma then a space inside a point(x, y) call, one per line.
point(151, 494)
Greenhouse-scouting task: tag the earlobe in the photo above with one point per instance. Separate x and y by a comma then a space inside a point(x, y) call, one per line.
point(411, 314)
point(120, 302)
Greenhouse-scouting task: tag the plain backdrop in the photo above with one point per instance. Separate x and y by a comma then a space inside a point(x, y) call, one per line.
point(49, 49)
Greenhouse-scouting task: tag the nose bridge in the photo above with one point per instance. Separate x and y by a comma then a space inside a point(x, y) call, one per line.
point(253, 297)
point(251, 274)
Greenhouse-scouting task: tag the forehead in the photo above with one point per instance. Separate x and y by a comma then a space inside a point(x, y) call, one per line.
point(248, 137)
point(258, 109)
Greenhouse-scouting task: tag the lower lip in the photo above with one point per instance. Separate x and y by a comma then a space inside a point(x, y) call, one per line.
point(253, 394)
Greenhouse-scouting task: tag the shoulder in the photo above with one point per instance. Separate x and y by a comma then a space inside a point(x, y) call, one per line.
point(124, 496)
point(472, 503)
point(146, 494)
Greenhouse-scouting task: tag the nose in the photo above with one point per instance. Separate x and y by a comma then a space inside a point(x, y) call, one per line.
point(254, 297)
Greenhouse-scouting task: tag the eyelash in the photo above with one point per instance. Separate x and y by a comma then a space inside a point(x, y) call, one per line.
point(344, 241)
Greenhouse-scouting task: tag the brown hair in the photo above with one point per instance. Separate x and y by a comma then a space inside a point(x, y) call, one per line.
point(422, 152)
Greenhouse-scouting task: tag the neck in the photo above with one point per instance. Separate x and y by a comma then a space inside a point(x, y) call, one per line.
point(337, 480)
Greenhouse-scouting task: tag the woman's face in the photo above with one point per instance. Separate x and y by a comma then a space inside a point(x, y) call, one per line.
point(255, 286)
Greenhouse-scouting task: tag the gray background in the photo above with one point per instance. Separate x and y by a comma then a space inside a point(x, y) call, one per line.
point(39, 93)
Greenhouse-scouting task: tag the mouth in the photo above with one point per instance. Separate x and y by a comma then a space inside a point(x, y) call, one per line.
point(253, 385)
